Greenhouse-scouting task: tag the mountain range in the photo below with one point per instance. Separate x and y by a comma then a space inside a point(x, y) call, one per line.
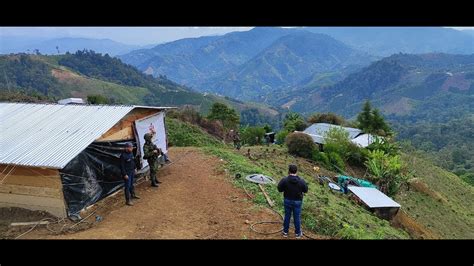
point(87, 73)
point(21, 44)
point(253, 65)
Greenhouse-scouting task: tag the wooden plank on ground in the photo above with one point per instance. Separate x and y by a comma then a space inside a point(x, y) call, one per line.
point(270, 202)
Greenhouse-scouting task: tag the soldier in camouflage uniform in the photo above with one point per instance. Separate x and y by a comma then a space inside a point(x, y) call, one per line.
point(152, 154)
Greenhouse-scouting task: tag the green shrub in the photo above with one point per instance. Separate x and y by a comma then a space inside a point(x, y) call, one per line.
point(356, 155)
point(330, 118)
point(387, 145)
point(97, 99)
point(300, 144)
point(337, 163)
point(386, 171)
point(294, 121)
point(252, 135)
point(322, 158)
point(281, 136)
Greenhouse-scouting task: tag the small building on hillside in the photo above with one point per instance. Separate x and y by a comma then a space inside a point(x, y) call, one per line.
point(62, 158)
point(318, 132)
point(376, 201)
point(72, 101)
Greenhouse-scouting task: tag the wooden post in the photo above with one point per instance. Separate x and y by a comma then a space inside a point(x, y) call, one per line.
point(270, 202)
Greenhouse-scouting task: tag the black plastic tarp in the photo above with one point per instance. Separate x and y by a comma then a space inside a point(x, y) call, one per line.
point(92, 175)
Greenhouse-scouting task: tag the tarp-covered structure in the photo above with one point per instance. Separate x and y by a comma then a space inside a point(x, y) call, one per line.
point(62, 158)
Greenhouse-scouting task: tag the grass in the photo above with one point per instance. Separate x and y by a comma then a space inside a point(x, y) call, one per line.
point(442, 203)
point(446, 208)
point(183, 134)
point(324, 212)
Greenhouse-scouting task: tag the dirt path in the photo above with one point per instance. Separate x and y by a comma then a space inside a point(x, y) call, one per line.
point(195, 201)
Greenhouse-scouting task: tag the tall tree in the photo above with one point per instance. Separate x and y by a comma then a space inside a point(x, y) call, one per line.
point(228, 116)
point(364, 118)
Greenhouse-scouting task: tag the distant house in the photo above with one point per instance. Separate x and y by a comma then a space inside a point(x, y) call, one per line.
point(318, 133)
point(72, 101)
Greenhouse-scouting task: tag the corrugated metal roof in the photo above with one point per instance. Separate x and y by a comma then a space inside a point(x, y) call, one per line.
point(373, 197)
point(318, 131)
point(51, 135)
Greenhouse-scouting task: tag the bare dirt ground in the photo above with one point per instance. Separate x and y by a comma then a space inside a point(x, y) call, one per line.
point(195, 201)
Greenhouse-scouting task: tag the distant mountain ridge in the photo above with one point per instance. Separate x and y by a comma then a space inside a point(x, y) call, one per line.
point(192, 61)
point(87, 73)
point(243, 63)
point(247, 64)
point(66, 44)
point(385, 41)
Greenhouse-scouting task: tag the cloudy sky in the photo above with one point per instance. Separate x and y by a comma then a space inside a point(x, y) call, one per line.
point(127, 35)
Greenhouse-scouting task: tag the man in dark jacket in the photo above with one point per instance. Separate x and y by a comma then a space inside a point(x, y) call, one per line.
point(128, 167)
point(293, 188)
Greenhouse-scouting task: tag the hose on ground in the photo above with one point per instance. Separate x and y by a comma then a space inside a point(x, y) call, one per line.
point(252, 226)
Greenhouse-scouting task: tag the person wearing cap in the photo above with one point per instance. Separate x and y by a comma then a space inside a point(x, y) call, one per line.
point(128, 168)
point(151, 153)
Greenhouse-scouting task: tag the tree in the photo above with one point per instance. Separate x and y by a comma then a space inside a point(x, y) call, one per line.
point(228, 116)
point(267, 128)
point(294, 121)
point(364, 118)
point(329, 118)
point(371, 121)
point(379, 126)
point(252, 135)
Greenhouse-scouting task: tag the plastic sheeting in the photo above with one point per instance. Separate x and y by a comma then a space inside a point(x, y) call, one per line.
point(92, 175)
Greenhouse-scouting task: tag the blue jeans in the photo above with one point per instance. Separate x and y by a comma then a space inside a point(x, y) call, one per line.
point(128, 185)
point(292, 206)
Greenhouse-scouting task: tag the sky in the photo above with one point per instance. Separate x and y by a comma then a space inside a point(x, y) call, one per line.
point(127, 35)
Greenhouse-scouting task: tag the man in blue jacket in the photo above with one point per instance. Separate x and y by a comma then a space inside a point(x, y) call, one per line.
point(128, 167)
point(293, 188)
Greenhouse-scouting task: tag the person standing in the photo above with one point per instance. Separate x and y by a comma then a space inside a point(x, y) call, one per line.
point(128, 168)
point(151, 153)
point(293, 188)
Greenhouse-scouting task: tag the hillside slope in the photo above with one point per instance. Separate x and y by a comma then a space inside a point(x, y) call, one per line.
point(192, 61)
point(439, 200)
point(428, 98)
point(289, 60)
point(88, 73)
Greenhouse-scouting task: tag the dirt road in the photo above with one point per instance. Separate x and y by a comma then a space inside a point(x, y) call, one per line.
point(195, 201)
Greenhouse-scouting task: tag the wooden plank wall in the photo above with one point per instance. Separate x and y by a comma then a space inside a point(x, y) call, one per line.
point(32, 188)
point(123, 129)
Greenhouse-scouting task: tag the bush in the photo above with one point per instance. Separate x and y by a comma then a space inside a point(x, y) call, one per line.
point(356, 155)
point(97, 99)
point(227, 115)
point(252, 135)
point(281, 136)
point(337, 141)
point(337, 163)
point(387, 145)
point(386, 171)
point(329, 118)
point(322, 158)
point(294, 122)
point(300, 144)
point(190, 115)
